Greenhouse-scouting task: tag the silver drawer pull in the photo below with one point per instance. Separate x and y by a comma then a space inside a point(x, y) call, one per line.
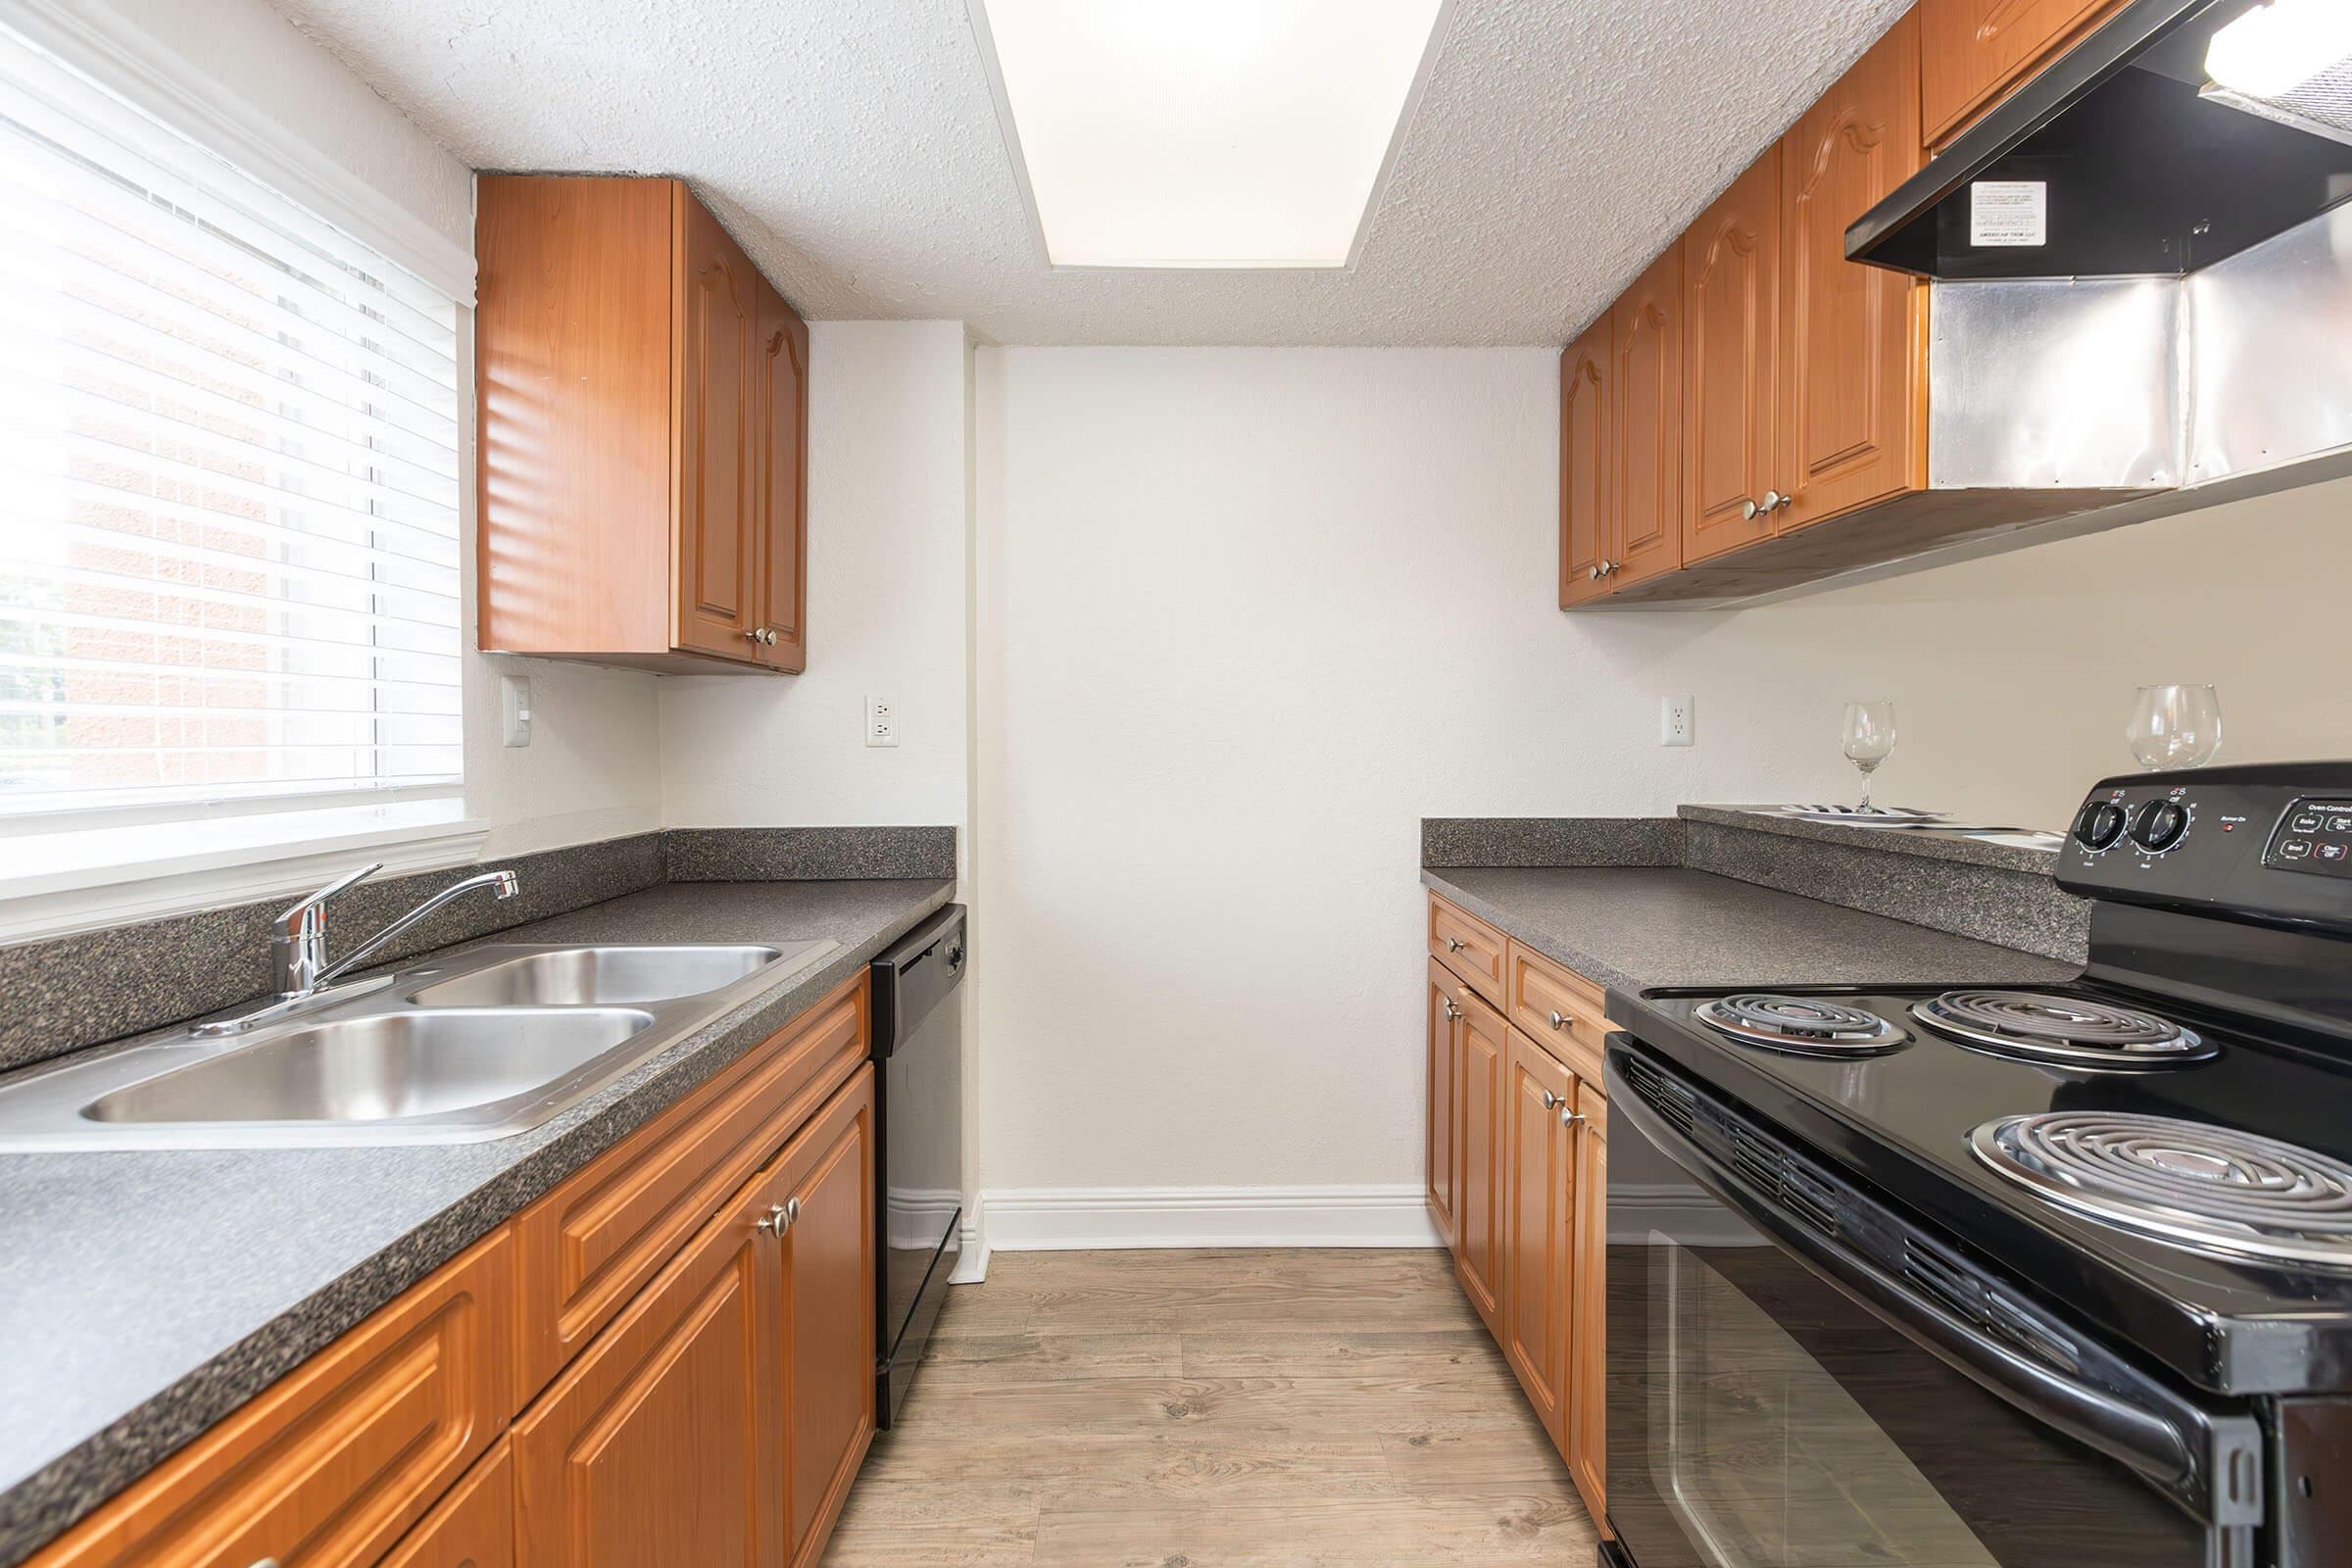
point(1569, 1119)
point(1453, 944)
point(1559, 1019)
point(779, 1217)
point(1451, 1012)
point(1552, 1101)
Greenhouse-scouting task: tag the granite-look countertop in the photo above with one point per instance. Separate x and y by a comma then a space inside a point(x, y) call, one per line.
point(1634, 927)
point(145, 1296)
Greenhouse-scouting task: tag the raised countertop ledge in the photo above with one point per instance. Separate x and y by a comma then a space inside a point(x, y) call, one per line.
point(145, 1296)
point(1633, 928)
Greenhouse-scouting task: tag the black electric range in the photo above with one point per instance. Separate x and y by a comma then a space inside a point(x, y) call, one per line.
point(1944, 1275)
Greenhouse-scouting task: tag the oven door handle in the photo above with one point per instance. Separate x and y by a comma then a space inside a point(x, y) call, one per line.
point(2140, 1438)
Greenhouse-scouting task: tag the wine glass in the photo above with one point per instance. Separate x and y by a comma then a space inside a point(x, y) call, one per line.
point(2174, 726)
point(1869, 739)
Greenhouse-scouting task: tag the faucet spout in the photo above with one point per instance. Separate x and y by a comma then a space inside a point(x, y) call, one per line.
point(501, 884)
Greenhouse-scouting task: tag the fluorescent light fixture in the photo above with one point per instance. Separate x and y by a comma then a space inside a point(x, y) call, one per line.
point(2274, 49)
point(1205, 133)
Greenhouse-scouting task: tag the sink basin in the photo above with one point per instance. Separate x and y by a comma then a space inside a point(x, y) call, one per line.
point(418, 1064)
point(575, 976)
point(482, 1043)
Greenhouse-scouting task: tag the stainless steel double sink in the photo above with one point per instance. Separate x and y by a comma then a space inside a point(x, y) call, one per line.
point(489, 1042)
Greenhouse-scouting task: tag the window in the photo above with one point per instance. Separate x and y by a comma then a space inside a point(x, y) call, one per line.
point(229, 489)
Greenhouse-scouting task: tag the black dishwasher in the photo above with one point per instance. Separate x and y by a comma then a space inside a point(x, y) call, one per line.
point(918, 1074)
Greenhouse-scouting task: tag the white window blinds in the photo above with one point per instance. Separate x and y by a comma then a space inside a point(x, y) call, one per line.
point(228, 482)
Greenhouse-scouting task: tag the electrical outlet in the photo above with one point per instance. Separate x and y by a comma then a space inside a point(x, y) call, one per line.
point(1675, 727)
point(881, 722)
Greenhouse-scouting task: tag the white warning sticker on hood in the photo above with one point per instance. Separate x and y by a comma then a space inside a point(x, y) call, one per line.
point(2009, 211)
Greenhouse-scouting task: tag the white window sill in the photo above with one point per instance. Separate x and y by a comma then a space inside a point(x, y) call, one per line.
point(58, 883)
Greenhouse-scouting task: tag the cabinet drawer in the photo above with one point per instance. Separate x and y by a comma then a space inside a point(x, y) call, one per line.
point(1468, 945)
point(333, 1463)
point(1556, 1006)
point(593, 1243)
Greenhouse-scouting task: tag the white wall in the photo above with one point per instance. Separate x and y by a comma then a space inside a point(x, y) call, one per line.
point(887, 564)
point(1245, 616)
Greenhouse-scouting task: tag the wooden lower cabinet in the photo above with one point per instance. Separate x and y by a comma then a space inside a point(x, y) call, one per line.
point(1527, 1144)
point(473, 1527)
point(824, 1324)
point(1538, 1227)
point(713, 1422)
point(332, 1464)
point(1478, 1257)
point(1439, 1172)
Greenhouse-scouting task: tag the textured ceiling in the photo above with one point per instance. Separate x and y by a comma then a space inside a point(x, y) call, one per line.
point(853, 148)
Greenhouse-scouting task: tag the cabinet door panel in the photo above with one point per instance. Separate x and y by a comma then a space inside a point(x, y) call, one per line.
point(473, 1527)
point(825, 1325)
point(1976, 50)
point(1538, 1194)
point(1853, 378)
point(1587, 1371)
point(1584, 464)
point(1479, 1259)
point(1445, 1068)
point(331, 1464)
point(1646, 424)
point(783, 500)
point(1730, 363)
point(717, 544)
point(661, 1443)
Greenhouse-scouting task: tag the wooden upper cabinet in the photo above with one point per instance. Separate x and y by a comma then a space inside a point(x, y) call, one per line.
point(717, 426)
point(1585, 524)
point(636, 377)
point(331, 1465)
point(1853, 373)
point(825, 1318)
point(1646, 424)
point(1975, 51)
point(782, 371)
point(1538, 1206)
point(1438, 1174)
point(1478, 1254)
point(1730, 363)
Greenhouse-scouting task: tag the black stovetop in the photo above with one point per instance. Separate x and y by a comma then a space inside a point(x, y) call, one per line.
point(1900, 1122)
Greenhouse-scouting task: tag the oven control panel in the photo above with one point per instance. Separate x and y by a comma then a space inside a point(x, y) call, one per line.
point(2313, 835)
point(2269, 841)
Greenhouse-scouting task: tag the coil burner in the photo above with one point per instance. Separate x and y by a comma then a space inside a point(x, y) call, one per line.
point(1805, 1026)
point(2207, 1189)
point(2068, 1031)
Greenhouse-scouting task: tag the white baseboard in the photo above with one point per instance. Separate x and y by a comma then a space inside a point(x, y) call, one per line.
point(1108, 1218)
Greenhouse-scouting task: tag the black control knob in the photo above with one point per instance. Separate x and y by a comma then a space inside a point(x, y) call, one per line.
point(2159, 826)
point(2100, 825)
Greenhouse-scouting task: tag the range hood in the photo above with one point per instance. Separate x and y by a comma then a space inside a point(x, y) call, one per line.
point(2126, 158)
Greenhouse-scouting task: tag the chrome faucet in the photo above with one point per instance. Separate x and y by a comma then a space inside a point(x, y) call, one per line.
point(298, 943)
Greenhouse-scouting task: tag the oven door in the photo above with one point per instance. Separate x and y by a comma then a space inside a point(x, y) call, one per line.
point(1800, 1377)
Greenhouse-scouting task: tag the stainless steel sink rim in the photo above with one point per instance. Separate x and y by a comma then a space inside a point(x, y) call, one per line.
point(45, 1109)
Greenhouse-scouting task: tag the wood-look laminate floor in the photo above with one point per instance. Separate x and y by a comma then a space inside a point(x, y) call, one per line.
point(1206, 1409)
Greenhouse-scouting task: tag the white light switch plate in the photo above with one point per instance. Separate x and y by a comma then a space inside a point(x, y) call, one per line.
point(515, 710)
point(881, 722)
point(1676, 725)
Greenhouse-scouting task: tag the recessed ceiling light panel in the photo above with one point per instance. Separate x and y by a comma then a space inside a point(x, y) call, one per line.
point(1211, 133)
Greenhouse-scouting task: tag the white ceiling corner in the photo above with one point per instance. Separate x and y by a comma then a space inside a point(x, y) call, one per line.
point(854, 150)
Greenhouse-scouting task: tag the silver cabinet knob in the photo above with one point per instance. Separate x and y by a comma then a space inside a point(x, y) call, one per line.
point(752, 636)
point(1559, 1019)
point(778, 1218)
point(1552, 1101)
point(1748, 508)
point(1569, 1119)
point(1774, 501)
point(768, 635)
point(1453, 944)
point(1593, 570)
point(1452, 1012)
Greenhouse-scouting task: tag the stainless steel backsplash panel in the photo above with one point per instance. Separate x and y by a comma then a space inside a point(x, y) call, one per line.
point(2269, 374)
